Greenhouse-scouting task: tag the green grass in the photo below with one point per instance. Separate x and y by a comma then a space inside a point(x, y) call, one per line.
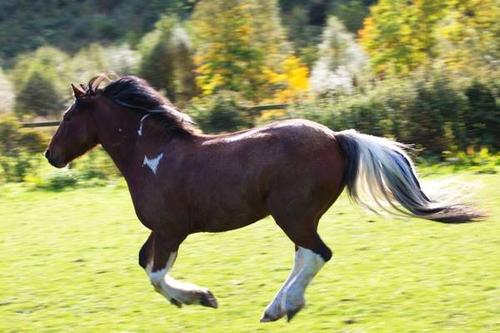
point(69, 263)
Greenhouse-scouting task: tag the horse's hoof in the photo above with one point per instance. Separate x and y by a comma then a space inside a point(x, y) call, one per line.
point(208, 299)
point(175, 302)
point(266, 318)
point(291, 313)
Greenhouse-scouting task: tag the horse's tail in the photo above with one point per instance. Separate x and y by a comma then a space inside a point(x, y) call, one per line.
point(379, 175)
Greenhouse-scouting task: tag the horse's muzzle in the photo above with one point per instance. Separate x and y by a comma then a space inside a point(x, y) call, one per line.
point(53, 161)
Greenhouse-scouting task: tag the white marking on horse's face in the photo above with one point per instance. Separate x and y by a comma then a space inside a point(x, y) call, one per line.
point(139, 131)
point(152, 163)
point(120, 130)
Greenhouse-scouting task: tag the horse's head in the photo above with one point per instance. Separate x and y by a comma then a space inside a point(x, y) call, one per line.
point(77, 132)
point(94, 117)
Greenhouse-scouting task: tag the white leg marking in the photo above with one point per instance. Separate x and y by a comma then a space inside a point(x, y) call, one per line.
point(175, 291)
point(139, 131)
point(152, 163)
point(290, 298)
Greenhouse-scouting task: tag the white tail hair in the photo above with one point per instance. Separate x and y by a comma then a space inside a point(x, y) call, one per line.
point(379, 175)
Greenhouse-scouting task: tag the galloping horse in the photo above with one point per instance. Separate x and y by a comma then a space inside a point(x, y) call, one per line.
point(182, 181)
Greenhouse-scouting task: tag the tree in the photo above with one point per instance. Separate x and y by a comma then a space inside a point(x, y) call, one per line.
point(49, 60)
point(269, 34)
point(341, 60)
point(40, 79)
point(290, 83)
point(94, 59)
point(6, 94)
point(39, 96)
point(399, 36)
point(227, 56)
point(482, 118)
point(468, 37)
point(242, 47)
point(352, 13)
point(167, 60)
point(71, 25)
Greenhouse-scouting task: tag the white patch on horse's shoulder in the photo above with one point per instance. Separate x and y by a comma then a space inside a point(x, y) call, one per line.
point(153, 162)
point(139, 131)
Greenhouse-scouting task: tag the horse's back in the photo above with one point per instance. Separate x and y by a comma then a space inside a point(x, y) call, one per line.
point(285, 129)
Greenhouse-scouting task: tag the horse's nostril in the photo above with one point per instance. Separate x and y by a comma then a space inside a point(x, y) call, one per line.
point(47, 154)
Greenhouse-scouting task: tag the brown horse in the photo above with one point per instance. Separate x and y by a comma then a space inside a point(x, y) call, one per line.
point(182, 181)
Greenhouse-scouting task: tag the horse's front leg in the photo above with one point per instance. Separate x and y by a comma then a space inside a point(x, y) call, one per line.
point(157, 256)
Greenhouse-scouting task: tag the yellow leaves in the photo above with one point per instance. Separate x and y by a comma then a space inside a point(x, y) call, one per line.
point(273, 77)
point(297, 74)
point(209, 84)
point(270, 115)
point(366, 32)
point(292, 81)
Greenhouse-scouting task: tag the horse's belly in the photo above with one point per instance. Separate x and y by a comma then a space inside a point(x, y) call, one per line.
point(226, 217)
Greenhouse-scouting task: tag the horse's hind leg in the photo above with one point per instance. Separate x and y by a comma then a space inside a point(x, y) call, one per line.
point(157, 256)
point(310, 255)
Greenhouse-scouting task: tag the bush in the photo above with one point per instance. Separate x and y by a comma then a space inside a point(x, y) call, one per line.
point(39, 96)
point(435, 115)
point(428, 110)
point(167, 60)
point(57, 180)
point(96, 164)
point(34, 141)
point(482, 117)
point(221, 113)
point(20, 150)
point(480, 162)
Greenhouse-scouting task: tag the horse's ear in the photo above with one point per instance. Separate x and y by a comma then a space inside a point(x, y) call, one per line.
point(77, 91)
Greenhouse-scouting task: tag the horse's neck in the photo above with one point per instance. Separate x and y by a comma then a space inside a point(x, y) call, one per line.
point(130, 149)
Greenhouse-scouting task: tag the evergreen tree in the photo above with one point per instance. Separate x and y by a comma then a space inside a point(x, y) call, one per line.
point(39, 96)
point(167, 60)
point(40, 79)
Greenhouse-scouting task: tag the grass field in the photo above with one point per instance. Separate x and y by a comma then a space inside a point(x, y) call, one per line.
point(69, 264)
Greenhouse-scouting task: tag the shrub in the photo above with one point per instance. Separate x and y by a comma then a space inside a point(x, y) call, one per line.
point(96, 164)
point(482, 117)
point(20, 150)
point(57, 180)
point(427, 109)
point(39, 96)
point(167, 60)
point(221, 113)
point(435, 113)
point(34, 141)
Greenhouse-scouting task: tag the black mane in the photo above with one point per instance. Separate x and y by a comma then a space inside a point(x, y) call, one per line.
point(136, 94)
